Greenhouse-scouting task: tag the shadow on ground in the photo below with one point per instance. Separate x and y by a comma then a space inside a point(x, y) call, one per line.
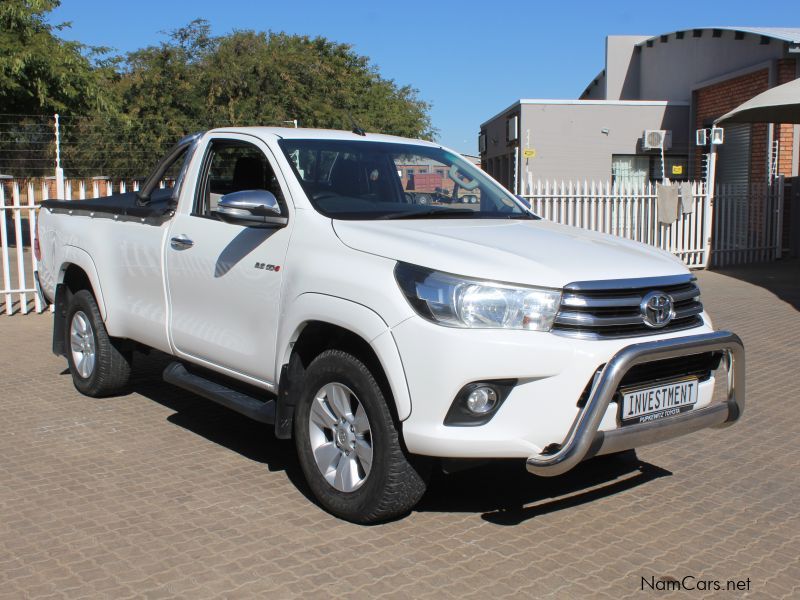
point(254, 441)
point(503, 492)
point(506, 494)
point(782, 278)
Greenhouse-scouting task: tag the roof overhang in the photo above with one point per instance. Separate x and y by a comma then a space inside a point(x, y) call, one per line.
point(790, 35)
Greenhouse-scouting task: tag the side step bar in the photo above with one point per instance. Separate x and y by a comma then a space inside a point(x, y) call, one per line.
point(258, 410)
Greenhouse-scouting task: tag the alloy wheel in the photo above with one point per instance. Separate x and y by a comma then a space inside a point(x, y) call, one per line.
point(82, 344)
point(341, 438)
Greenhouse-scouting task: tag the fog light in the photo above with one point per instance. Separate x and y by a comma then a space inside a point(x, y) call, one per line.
point(481, 400)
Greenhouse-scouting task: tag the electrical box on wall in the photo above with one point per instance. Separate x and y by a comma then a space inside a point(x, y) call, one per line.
point(701, 137)
point(512, 129)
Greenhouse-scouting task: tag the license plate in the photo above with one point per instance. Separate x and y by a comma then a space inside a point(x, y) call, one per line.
point(652, 402)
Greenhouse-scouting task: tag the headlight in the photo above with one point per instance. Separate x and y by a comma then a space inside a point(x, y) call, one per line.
point(461, 302)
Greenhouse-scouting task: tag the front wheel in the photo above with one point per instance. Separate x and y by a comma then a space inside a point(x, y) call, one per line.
point(348, 445)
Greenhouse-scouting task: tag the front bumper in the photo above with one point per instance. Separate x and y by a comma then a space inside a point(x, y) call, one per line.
point(585, 439)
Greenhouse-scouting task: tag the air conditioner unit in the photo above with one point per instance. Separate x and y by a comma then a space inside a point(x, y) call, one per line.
point(657, 139)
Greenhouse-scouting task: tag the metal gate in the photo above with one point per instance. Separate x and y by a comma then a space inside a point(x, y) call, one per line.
point(748, 223)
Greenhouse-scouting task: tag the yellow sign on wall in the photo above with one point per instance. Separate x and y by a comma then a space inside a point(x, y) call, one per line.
point(677, 169)
point(529, 153)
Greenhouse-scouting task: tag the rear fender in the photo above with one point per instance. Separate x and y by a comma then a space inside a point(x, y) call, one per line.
point(72, 255)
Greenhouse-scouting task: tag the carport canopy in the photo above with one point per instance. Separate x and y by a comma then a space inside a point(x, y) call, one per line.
point(780, 104)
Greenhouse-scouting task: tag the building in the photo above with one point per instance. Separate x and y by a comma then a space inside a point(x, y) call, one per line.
point(676, 82)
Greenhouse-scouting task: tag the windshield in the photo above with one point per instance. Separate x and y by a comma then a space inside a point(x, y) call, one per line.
point(381, 180)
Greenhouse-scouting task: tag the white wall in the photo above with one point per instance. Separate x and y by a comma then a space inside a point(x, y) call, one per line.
point(669, 70)
point(622, 67)
point(570, 143)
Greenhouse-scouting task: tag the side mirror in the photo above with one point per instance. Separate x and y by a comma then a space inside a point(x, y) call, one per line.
point(250, 207)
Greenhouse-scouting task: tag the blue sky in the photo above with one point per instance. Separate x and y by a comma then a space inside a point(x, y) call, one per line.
point(468, 59)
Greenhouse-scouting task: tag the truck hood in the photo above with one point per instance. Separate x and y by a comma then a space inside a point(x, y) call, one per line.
point(529, 252)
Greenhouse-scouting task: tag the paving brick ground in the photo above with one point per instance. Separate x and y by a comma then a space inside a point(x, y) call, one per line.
point(159, 494)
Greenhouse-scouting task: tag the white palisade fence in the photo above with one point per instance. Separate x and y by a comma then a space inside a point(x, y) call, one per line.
point(742, 224)
point(17, 224)
point(19, 206)
point(629, 211)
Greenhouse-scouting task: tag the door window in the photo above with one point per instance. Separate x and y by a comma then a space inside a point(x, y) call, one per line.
point(233, 166)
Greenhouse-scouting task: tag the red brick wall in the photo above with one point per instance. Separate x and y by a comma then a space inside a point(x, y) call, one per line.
point(715, 100)
point(787, 71)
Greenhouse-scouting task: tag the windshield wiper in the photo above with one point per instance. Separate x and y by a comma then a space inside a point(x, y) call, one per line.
point(432, 212)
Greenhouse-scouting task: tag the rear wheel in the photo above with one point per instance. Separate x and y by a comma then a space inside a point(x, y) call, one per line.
point(98, 366)
point(348, 444)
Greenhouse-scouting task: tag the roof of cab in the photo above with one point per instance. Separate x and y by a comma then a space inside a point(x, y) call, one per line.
point(318, 134)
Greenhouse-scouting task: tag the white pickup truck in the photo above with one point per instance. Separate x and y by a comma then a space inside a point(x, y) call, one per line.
point(292, 280)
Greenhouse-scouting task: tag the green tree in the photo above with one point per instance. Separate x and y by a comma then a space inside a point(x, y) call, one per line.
point(119, 114)
point(156, 98)
point(39, 72)
point(268, 78)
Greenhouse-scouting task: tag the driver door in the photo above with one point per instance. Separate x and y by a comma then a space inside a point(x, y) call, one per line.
point(224, 279)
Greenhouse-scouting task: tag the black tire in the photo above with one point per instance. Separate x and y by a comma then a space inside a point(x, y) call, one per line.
point(111, 367)
point(393, 485)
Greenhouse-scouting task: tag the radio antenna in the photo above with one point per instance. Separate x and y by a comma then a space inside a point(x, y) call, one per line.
point(357, 129)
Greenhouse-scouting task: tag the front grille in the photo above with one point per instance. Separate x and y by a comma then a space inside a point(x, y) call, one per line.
point(655, 372)
point(692, 365)
point(611, 309)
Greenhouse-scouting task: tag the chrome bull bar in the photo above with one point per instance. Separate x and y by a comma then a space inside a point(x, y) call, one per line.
point(584, 438)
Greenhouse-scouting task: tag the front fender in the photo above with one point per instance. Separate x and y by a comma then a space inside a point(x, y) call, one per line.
point(355, 318)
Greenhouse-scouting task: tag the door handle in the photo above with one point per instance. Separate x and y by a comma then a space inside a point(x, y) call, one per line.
point(181, 242)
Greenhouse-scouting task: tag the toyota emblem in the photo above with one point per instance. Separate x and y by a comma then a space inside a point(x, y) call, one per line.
point(657, 310)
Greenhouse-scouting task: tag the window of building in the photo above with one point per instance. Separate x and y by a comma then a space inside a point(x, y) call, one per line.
point(638, 169)
point(629, 169)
